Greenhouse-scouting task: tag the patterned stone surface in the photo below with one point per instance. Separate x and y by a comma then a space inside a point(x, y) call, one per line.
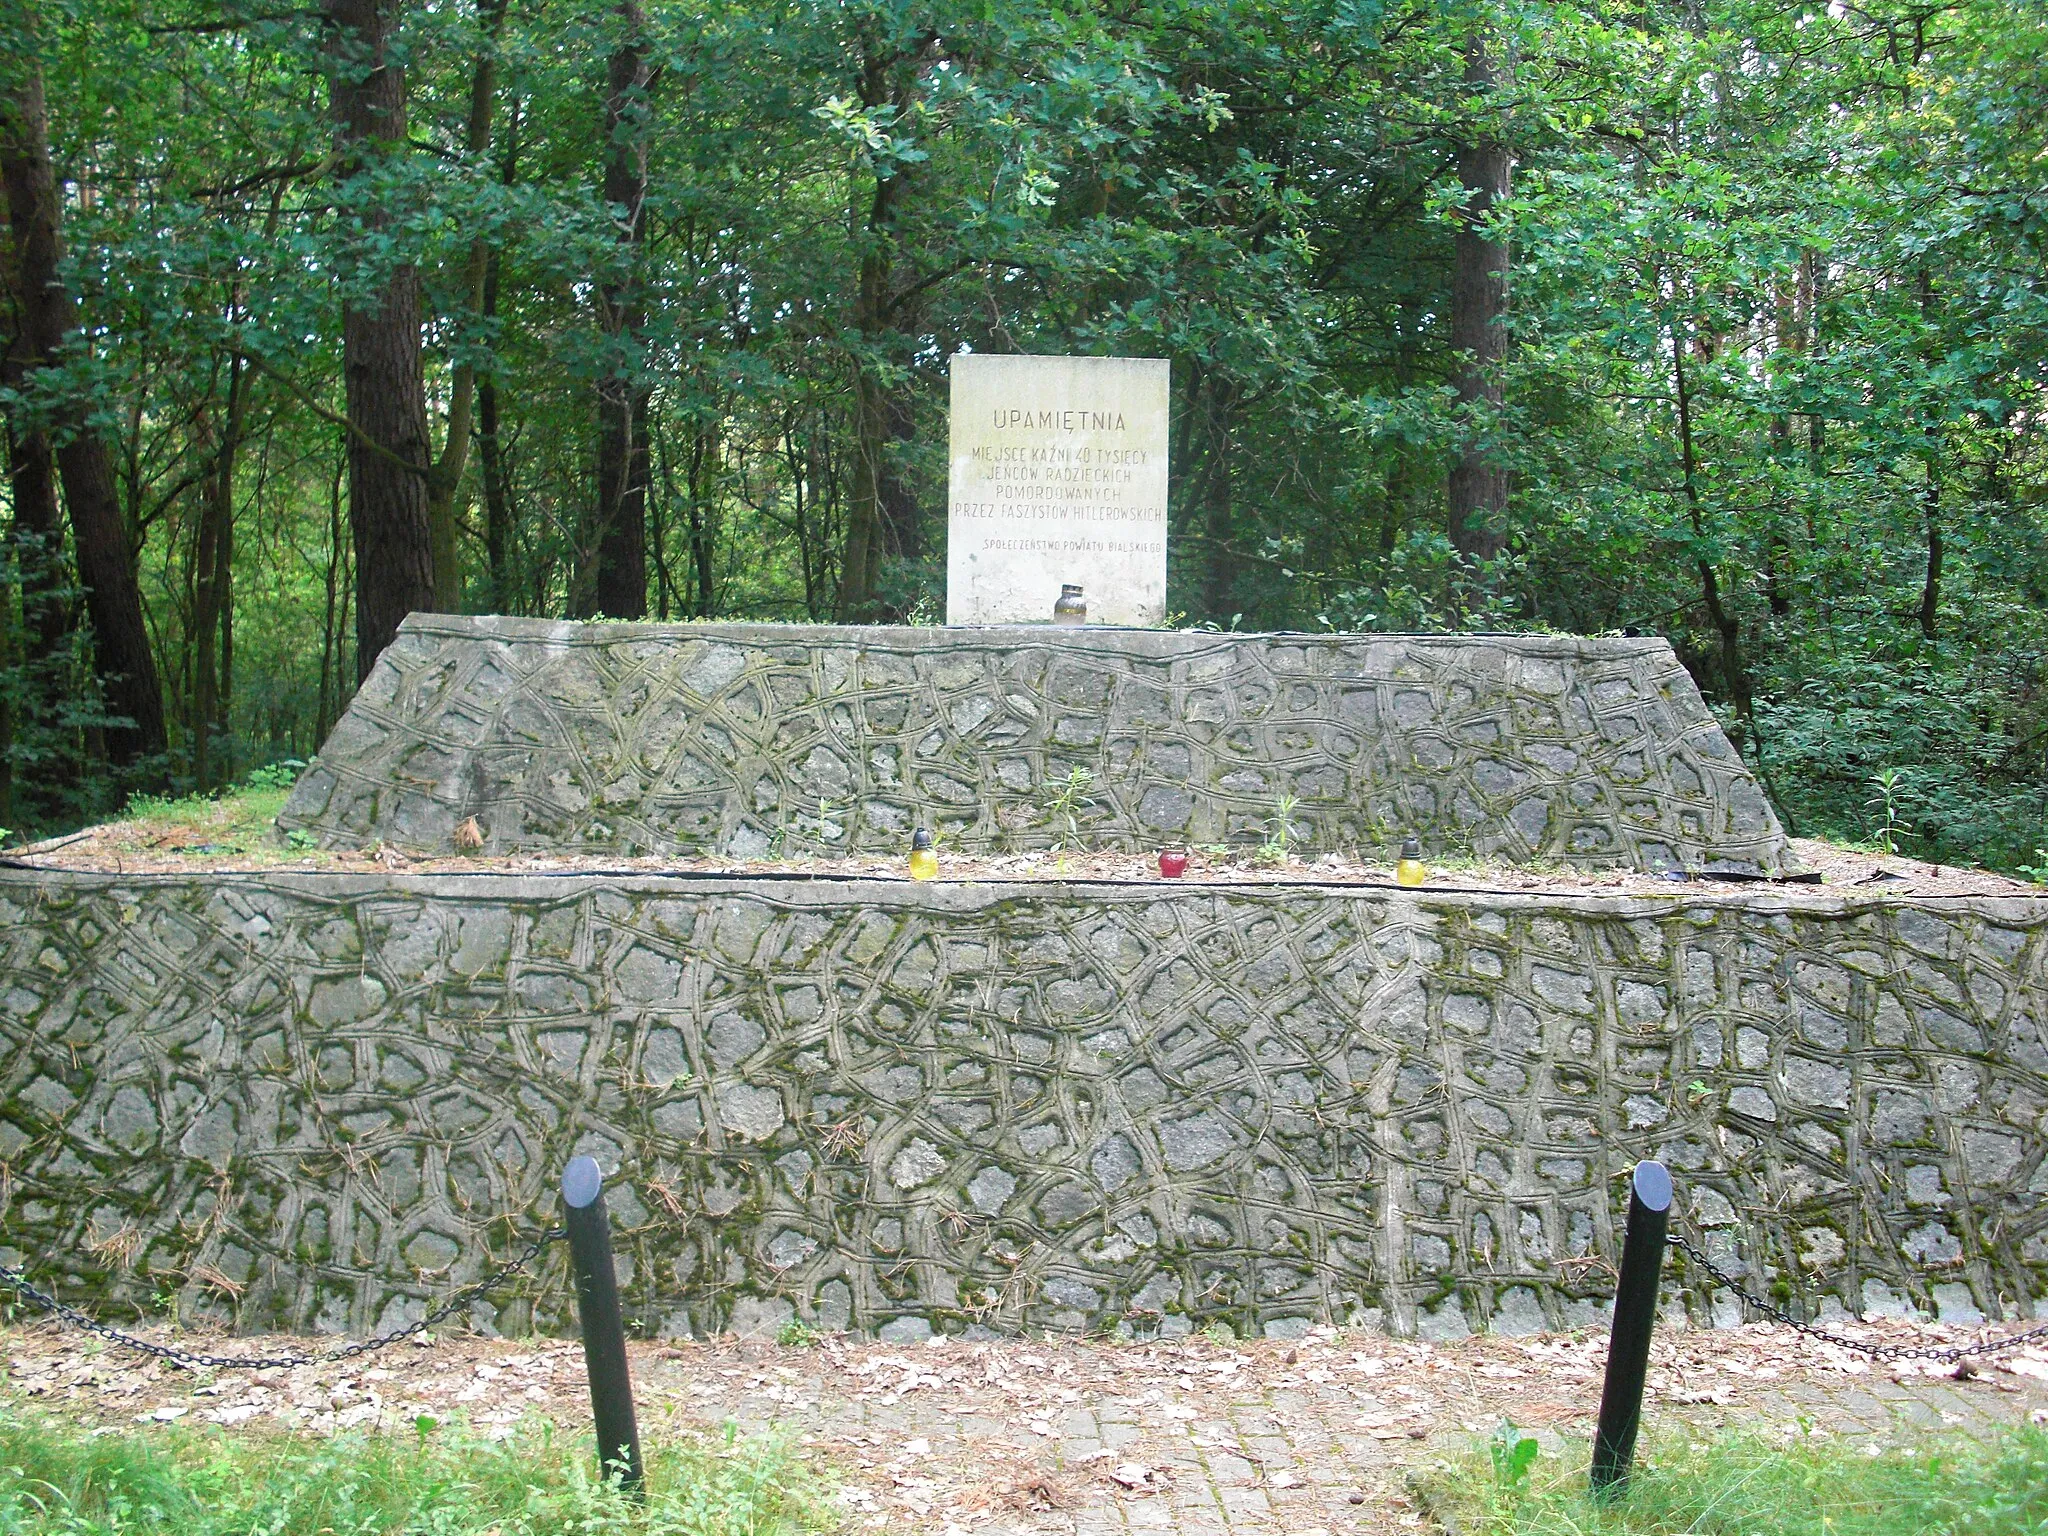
point(753, 739)
point(316, 1099)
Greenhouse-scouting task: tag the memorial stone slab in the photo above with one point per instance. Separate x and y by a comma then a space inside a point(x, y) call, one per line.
point(1058, 478)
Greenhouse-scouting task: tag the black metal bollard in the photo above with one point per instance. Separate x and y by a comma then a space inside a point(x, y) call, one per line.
point(1635, 1314)
point(604, 1332)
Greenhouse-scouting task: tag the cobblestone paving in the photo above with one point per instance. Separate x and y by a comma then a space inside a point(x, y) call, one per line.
point(1065, 1438)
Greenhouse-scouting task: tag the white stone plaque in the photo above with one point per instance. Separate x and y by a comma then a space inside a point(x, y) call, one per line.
point(1058, 478)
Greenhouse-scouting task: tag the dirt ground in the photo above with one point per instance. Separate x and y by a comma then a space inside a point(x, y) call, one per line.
point(1065, 1437)
point(225, 835)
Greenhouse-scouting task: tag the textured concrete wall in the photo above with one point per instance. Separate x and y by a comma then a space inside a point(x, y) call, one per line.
point(305, 1098)
point(754, 739)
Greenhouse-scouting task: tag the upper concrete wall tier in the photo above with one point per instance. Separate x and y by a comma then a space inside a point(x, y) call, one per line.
point(307, 1100)
point(758, 739)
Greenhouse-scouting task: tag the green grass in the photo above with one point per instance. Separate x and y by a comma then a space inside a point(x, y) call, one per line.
point(237, 822)
point(57, 1479)
point(1741, 1484)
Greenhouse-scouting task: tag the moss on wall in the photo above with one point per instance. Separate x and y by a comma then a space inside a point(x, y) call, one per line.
point(315, 1100)
point(756, 739)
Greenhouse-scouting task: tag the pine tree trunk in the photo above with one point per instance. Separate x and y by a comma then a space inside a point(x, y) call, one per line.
point(1478, 491)
point(623, 464)
point(388, 454)
point(100, 539)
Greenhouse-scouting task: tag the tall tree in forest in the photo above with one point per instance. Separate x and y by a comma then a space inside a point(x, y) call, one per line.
point(498, 515)
point(894, 51)
point(389, 458)
point(444, 484)
point(213, 572)
point(100, 538)
point(617, 585)
point(34, 540)
point(1478, 486)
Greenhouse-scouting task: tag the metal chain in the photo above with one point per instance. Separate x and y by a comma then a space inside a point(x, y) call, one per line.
point(1778, 1314)
point(43, 1301)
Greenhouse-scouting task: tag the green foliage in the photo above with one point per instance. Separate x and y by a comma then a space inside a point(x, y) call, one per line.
point(1892, 828)
point(1513, 1454)
point(795, 1333)
point(1065, 799)
point(1740, 1484)
point(1279, 830)
point(282, 774)
point(240, 820)
point(1779, 314)
point(59, 1480)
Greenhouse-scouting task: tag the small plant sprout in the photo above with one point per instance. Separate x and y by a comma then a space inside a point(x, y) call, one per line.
point(1064, 801)
point(1889, 784)
point(1513, 1454)
point(823, 829)
point(795, 1333)
point(1279, 831)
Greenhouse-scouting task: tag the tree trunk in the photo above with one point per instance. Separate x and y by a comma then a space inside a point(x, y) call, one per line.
point(335, 613)
point(215, 509)
point(1219, 568)
point(498, 509)
point(1812, 291)
point(35, 541)
point(1734, 672)
point(623, 464)
point(703, 535)
point(1777, 549)
point(99, 533)
point(813, 548)
point(388, 454)
point(1478, 490)
point(497, 506)
point(882, 518)
point(1930, 491)
point(214, 564)
point(444, 485)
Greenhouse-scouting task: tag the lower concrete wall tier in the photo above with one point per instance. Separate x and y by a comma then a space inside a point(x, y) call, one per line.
point(318, 1101)
point(757, 740)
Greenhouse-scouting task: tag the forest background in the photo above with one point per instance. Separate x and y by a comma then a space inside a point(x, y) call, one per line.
point(1720, 319)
